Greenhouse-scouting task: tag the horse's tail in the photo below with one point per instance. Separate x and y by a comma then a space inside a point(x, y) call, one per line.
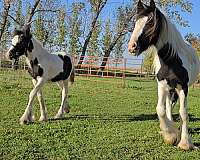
point(71, 78)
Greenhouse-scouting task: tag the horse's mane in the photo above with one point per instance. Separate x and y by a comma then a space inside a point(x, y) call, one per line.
point(38, 45)
point(170, 34)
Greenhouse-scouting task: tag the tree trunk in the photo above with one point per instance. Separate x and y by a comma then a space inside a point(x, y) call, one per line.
point(100, 7)
point(5, 18)
point(109, 50)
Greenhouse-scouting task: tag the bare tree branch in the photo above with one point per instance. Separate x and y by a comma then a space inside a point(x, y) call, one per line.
point(33, 11)
point(46, 10)
point(14, 19)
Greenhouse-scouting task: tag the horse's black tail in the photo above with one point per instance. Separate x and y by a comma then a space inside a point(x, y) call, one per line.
point(173, 96)
point(71, 78)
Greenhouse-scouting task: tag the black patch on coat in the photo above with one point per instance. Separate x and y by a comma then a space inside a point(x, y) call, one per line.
point(67, 68)
point(30, 46)
point(172, 69)
point(35, 69)
point(173, 96)
point(152, 29)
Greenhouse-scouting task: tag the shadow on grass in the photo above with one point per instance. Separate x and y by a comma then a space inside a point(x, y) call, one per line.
point(121, 118)
point(116, 118)
point(194, 130)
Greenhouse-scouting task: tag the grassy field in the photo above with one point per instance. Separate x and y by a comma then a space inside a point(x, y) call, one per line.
point(106, 121)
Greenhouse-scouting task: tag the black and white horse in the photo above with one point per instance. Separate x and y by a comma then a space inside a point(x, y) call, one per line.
point(43, 67)
point(176, 65)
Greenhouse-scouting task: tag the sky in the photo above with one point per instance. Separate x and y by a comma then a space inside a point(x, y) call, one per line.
point(193, 18)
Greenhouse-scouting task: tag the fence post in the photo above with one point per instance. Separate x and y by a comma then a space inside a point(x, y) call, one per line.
point(141, 72)
point(124, 74)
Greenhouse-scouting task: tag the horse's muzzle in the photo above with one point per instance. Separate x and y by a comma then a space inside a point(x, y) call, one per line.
point(134, 49)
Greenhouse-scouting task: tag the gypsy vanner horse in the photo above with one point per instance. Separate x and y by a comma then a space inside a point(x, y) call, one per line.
point(43, 67)
point(176, 66)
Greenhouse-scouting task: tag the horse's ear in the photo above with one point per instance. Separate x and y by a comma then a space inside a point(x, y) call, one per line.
point(140, 6)
point(152, 4)
point(26, 30)
point(15, 31)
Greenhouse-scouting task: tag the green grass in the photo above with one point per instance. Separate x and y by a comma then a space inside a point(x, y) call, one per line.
point(106, 121)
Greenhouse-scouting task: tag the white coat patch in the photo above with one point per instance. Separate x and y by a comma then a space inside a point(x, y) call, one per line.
point(15, 40)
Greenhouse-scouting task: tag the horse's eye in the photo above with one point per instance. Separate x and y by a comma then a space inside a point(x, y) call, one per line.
point(22, 37)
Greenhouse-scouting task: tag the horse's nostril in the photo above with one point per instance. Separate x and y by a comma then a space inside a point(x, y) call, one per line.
point(134, 45)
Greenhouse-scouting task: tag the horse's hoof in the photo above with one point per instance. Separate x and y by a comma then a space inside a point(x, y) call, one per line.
point(58, 116)
point(187, 146)
point(42, 119)
point(24, 121)
point(67, 110)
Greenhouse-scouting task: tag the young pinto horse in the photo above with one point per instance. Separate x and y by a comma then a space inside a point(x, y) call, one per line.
point(176, 65)
point(43, 67)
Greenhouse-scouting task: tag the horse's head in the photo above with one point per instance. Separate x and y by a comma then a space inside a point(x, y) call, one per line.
point(146, 30)
point(21, 43)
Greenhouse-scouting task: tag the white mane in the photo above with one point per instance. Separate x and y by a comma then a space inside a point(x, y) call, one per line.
point(170, 34)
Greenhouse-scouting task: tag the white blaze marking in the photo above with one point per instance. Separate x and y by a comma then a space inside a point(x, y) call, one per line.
point(15, 40)
point(139, 26)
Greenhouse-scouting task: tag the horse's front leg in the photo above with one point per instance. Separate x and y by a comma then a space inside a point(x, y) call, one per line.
point(169, 107)
point(27, 116)
point(168, 129)
point(43, 109)
point(185, 142)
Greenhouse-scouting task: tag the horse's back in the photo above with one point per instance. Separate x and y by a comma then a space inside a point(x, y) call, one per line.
point(61, 53)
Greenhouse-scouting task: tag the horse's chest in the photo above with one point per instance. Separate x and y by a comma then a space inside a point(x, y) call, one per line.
point(171, 67)
point(174, 74)
point(35, 69)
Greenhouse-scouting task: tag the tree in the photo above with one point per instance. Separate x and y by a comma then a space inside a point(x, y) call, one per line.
point(194, 40)
point(93, 46)
point(171, 6)
point(97, 6)
point(62, 28)
point(6, 6)
point(119, 47)
point(39, 26)
point(19, 19)
point(33, 11)
point(126, 15)
point(148, 62)
point(74, 26)
point(107, 36)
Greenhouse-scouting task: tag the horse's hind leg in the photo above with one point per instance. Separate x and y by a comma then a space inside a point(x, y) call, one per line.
point(168, 129)
point(185, 142)
point(43, 109)
point(64, 107)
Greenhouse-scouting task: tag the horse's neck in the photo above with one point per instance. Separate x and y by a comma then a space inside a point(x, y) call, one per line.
point(38, 50)
point(170, 35)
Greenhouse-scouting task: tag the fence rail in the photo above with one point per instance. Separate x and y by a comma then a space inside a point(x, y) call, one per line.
point(91, 67)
